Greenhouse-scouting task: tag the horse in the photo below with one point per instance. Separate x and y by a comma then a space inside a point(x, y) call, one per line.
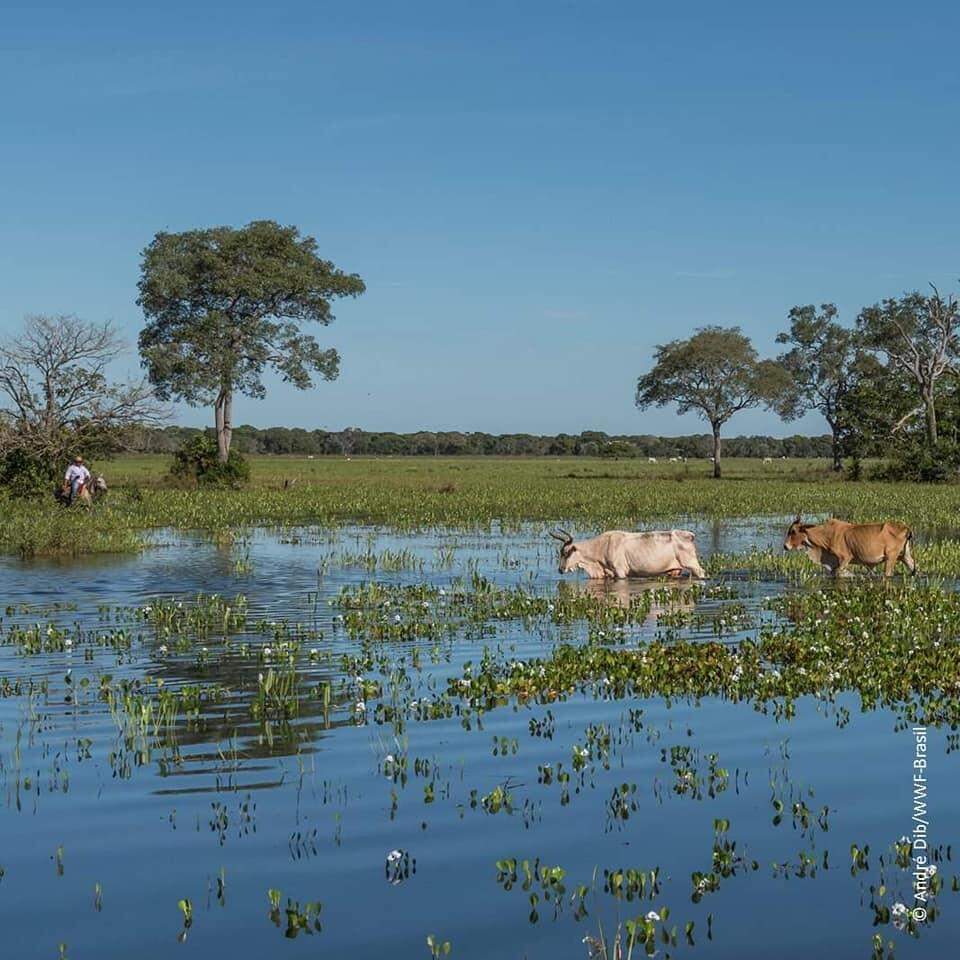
point(86, 494)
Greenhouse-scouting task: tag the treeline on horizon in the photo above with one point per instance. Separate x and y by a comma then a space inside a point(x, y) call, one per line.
point(591, 443)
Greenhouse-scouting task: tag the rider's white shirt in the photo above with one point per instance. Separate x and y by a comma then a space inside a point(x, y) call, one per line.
point(77, 471)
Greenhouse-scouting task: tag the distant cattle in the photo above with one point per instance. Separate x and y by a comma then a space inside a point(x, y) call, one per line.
point(651, 459)
point(618, 554)
point(836, 544)
point(768, 459)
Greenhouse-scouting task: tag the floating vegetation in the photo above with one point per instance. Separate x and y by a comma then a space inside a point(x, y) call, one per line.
point(615, 763)
point(294, 919)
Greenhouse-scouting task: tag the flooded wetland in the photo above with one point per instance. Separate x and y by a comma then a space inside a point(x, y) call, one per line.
point(355, 741)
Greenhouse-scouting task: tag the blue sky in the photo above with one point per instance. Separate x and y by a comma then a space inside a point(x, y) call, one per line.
point(536, 193)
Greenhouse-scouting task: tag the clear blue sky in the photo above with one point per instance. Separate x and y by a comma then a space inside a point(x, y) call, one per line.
point(535, 192)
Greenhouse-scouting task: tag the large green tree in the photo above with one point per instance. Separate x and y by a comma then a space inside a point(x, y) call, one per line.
point(224, 305)
point(715, 373)
point(820, 363)
point(919, 337)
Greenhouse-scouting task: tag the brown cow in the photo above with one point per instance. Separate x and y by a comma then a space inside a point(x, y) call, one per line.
point(836, 544)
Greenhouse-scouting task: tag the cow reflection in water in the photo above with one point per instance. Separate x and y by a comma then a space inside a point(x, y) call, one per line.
point(668, 594)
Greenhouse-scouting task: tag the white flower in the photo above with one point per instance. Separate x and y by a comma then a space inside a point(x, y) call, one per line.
point(653, 915)
point(68, 642)
point(259, 678)
point(359, 706)
point(899, 910)
point(394, 855)
point(267, 652)
point(931, 870)
point(396, 619)
point(163, 649)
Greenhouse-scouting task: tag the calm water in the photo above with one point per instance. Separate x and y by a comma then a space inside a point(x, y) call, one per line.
point(312, 814)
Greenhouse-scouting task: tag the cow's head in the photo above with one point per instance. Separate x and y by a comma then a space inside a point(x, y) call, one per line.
point(796, 538)
point(568, 550)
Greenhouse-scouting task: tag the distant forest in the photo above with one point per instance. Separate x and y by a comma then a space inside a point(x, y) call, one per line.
point(591, 443)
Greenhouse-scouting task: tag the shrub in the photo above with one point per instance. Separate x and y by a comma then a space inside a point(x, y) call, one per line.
point(197, 460)
point(25, 475)
point(920, 463)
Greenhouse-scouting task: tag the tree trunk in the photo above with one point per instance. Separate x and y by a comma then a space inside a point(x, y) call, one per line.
point(223, 410)
point(835, 449)
point(716, 452)
point(931, 419)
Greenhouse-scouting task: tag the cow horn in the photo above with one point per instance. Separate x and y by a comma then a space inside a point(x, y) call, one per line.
point(797, 518)
point(562, 536)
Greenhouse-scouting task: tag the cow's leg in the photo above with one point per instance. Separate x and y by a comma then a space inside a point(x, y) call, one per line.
point(889, 564)
point(907, 557)
point(837, 566)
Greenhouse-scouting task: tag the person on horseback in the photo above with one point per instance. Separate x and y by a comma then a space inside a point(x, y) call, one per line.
point(76, 478)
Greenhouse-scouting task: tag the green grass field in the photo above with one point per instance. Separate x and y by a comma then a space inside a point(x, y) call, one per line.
point(152, 469)
point(408, 493)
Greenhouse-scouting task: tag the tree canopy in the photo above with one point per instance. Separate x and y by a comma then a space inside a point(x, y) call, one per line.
point(224, 305)
point(820, 363)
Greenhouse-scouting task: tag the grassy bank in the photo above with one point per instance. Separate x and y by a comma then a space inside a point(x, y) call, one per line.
point(589, 495)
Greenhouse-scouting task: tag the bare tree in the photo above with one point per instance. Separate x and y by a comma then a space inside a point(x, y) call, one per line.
point(920, 338)
point(55, 397)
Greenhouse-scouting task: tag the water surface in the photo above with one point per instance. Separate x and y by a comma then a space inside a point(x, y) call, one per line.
point(238, 807)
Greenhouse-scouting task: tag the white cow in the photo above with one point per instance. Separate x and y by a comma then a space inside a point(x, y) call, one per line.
point(651, 459)
point(618, 554)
